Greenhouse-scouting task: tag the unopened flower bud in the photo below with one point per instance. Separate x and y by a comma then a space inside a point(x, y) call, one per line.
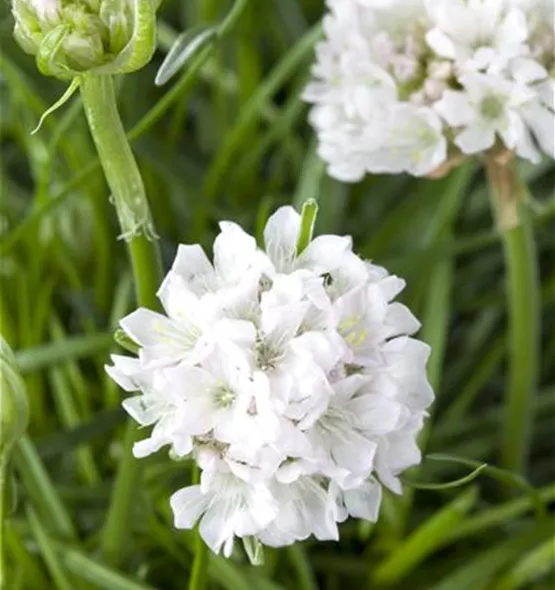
point(71, 37)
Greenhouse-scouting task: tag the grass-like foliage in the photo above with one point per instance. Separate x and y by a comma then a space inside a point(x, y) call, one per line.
point(226, 137)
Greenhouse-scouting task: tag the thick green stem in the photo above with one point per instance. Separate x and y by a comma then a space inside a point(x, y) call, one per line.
point(522, 290)
point(128, 193)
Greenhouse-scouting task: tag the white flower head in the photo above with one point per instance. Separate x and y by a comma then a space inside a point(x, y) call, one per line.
point(486, 108)
point(384, 66)
point(287, 374)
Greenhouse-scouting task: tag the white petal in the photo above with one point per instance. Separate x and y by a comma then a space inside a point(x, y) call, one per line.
point(127, 373)
point(325, 348)
point(391, 286)
point(376, 415)
point(144, 409)
point(182, 444)
point(512, 130)
point(356, 453)
point(527, 149)
point(546, 93)
point(441, 43)
point(147, 327)
point(187, 505)
point(475, 139)
point(407, 365)
point(455, 108)
point(365, 501)
point(179, 301)
point(526, 70)
point(281, 235)
point(325, 253)
point(512, 30)
point(234, 252)
point(542, 124)
point(218, 523)
point(401, 319)
point(347, 171)
point(193, 266)
point(148, 446)
point(239, 332)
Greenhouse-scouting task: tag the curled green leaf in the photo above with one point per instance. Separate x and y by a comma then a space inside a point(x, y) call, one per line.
point(187, 45)
point(59, 103)
point(501, 475)
point(449, 484)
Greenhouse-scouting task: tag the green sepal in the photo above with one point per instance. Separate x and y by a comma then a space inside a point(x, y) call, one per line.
point(254, 550)
point(308, 219)
point(48, 51)
point(141, 46)
point(126, 342)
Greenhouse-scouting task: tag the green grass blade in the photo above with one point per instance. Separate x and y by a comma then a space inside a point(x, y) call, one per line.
point(477, 573)
point(251, 110)
point(41, 490)
point(57, 571)
point(54, 353)
point(536, 564)
point(424, 540)
point(101, 576)
point(303, 568)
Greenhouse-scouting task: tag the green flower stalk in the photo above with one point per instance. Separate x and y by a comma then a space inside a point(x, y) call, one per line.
point(87, 42)
point(508, 198)
point(71, 37)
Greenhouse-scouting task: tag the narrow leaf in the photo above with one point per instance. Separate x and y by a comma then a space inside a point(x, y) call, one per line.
point(186, 46)
point(34, 359)
point(501, 475)
point(477, 572)
point(57, 571)
point(450, 484)
point(64, 441)
point(59, 103)
point(537, 563)
point(103, 577)
point(425, 539)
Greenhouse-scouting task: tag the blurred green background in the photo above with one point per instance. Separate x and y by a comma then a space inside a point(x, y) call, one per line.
point(227, 138)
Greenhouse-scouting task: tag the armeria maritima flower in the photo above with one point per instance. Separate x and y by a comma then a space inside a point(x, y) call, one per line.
point(289, 377)
point(405, 85)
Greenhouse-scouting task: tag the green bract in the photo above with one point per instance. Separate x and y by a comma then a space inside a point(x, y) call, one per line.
point(71, 37)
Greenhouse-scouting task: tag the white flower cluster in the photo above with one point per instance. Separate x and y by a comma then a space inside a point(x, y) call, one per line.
point(289, 377)
point(404, 85)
